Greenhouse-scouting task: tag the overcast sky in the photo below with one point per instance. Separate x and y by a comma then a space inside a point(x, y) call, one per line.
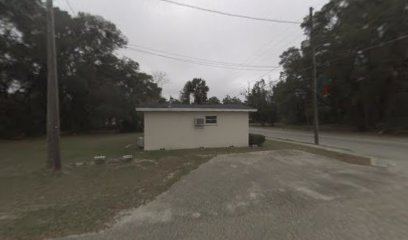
point(159, 25)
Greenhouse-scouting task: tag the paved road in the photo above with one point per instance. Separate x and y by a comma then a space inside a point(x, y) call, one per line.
point(391, 150)
point(283, 194)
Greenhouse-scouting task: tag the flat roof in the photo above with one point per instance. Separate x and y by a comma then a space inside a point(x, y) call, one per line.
point(194, 108)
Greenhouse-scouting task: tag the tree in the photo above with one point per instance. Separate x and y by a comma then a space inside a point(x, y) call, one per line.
point(214, 100)
point(98, 89)
point(102, 90)
point(174, 100)
point(292, 95)
point(20, 24)
point(198, 88)
point(160, 78)
point(231, 100)
point(259, 98)
point(361, 54)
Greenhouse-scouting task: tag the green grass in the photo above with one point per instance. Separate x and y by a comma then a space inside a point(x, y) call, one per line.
point(36, 203)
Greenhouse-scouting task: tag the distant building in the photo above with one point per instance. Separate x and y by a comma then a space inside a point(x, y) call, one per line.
point(182, 126)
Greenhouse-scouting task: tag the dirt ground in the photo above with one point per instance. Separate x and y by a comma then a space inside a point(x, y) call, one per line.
point(36, 203)
point(282, 194)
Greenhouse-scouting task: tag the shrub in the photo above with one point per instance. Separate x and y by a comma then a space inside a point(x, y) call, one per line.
point(256, 139)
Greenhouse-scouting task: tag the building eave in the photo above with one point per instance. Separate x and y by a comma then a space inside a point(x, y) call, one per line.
point(194, 110)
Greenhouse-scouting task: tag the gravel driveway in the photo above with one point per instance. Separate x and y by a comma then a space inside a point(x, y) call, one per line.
point(283, 194)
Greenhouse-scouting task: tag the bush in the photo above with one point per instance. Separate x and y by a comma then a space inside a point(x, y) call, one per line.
point(256, 139)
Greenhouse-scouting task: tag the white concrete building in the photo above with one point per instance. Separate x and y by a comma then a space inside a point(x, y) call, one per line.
point(193, 126)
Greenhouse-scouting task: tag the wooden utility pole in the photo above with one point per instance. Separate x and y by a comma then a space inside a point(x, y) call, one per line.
point(315, 103)
point(53, 121)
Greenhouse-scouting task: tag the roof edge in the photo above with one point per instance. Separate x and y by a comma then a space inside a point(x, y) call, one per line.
point(147, 109)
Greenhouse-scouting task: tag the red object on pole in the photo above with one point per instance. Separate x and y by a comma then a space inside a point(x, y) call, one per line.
point(326, 91)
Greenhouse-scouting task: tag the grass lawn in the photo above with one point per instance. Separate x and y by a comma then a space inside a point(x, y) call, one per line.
point(36, 203)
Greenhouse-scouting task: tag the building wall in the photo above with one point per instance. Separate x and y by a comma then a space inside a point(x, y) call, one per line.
point(176, 130)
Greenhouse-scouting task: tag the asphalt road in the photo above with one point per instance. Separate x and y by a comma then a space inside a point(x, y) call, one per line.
point(386, 150)
point(283, 194)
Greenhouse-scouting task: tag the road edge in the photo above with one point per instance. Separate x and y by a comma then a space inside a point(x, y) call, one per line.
point(365, 160)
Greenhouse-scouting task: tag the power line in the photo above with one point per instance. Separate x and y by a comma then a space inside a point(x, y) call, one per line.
point(208, 64)
point(194, 62)
point(320, 5)
point(358, 51)
point(263, 56)
point(230, 14)
point(347, 54)
point(203, 60)
point(385, 43)
point(265, 74)
point(70, 7)
point(382, 44)
point(261, 52)
point(200, 61)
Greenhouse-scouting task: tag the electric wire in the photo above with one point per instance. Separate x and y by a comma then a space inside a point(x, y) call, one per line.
point(203, 60)
point(243, 68)
point(231, 14)
point(70, 6)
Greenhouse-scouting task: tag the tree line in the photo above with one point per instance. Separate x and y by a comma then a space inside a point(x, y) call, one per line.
point(196, 91)
point(98, 89)
point(362, 65)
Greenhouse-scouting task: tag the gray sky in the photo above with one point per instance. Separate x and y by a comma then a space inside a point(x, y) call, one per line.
point(171, 28)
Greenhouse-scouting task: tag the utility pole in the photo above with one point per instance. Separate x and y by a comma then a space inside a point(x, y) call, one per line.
point(315, 104)
point(53, 121)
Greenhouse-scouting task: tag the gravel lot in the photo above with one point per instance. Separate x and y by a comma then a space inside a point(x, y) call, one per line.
point(283, 194)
